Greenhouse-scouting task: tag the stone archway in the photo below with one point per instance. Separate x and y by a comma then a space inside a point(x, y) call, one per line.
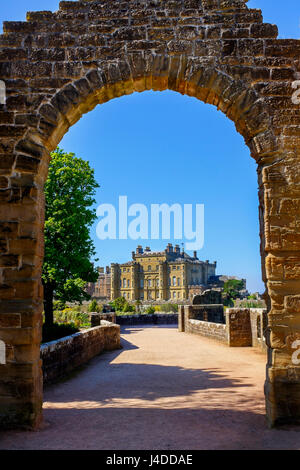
point(58, 66)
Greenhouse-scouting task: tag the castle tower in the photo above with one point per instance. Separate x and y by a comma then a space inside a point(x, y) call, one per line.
point(115, 281)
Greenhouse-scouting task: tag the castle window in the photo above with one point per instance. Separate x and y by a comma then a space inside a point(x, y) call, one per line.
point(174, 280)
point(149, 268)
point(174, 295)
point(124, 282)
point(178, 281)
point(128, 283)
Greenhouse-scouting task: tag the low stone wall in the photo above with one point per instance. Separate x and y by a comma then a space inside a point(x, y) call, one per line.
point(213, 313)
point(244, 327)
point(96, 318)
point(148, 319)
point(64, 355)
point(211, 330)
point(259, 323)
point(239, 327)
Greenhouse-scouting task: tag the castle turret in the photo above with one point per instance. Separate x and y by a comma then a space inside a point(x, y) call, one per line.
point(115, 281)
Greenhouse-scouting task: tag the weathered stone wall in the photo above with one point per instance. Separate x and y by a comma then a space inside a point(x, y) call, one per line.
point(211, 330)
point(58, 66)
point(243, 328)
point(209, 313)
point(238, 327)
point(209, 296)
point(62, 356)
point(148, 319)
point(96, 318)
point(259, 324)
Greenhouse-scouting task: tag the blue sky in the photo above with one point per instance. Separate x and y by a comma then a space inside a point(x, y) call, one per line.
point(166, 148)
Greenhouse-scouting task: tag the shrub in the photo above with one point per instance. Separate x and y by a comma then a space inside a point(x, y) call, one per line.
point(70, 315)
point(227, 302)
point(251, 304)
point(128, 308)
point(59, 305)
point(118, 304)
point(57, 331)
point(169, 308)
point(150, 310)
point(94, 307)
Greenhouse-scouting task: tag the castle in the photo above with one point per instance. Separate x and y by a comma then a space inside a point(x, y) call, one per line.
point(101, 289)
point(160, 275)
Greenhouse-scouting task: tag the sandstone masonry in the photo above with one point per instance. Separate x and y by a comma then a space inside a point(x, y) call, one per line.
point(56, 66)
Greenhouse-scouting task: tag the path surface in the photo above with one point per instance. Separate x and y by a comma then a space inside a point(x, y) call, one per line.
point(165, 390)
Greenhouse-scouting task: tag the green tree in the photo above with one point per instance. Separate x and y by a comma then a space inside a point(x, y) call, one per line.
point(232, 289)
point(69, 195)
point(150, 310)
point(128, 308)
point(94, 307)
point(118, 304)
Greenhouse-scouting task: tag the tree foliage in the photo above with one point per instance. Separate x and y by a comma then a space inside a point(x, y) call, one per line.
point(232, 288)
point(118, 304)
point(121, 305)
point(94, 307)
point(69, 197)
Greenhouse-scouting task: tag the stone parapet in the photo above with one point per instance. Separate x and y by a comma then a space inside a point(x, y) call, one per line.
point(243, 328)
point(238, 327)
point(62, 356)
point(211, 330)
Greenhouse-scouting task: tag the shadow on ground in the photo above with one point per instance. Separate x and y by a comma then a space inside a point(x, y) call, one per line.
point(149, 429)
point(135, 398)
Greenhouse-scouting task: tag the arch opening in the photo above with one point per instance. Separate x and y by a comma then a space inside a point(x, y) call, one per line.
point(58, 66)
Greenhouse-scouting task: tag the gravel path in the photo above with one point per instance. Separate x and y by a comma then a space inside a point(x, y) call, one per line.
point(163, 391)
